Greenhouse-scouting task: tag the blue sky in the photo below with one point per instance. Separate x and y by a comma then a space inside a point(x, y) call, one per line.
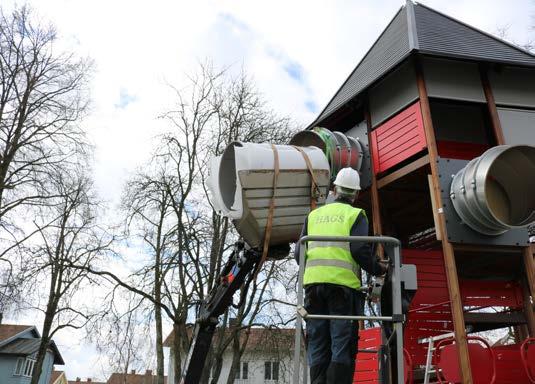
point(297, 52)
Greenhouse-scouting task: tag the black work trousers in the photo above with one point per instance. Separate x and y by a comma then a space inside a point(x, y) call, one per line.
point(332, 344)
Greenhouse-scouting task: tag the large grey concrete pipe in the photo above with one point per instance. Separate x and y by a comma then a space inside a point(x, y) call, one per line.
point(241, 182)
point(496, 191)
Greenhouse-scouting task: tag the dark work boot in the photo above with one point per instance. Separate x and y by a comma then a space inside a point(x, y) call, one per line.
point(318, 374)
point(339, 374)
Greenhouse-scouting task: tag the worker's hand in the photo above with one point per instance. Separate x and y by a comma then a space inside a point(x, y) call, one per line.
point(385, 264)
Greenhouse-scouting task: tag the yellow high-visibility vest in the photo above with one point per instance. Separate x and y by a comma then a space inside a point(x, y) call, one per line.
point(331, 262)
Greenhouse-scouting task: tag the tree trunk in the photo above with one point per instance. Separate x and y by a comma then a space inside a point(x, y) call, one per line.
point(235, 366)
point(45, 341)
point(158, 319)
point(177, 364)
point(216, 369)
point(159, 341)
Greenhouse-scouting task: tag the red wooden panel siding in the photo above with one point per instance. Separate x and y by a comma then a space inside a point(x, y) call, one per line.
point(488, 293)
point(398, 138)
point(460, 150)
point(367, 364)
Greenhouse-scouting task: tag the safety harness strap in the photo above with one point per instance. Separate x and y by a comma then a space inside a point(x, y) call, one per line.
point(269, 223)
point(315, 192)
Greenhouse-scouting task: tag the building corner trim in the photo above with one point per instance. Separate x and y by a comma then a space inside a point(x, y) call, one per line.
point(411, 26)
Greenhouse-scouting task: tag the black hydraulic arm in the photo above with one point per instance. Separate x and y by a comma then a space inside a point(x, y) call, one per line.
point(241, 263)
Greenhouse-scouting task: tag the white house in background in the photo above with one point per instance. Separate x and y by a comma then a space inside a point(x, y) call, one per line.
point(268, 357)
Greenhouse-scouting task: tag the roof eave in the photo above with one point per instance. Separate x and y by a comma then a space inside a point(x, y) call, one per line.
point(475, 59)
point(58, 359)
point(16, 336)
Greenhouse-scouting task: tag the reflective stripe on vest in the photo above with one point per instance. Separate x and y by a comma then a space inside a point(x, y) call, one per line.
point(333, 263)
point(338, 244)
point(329, 261)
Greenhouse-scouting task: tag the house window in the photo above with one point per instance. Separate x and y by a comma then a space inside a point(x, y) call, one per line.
point(19, 368)
point(243, 370)
point(24, 367)
point(28, 368)
point(271, 370)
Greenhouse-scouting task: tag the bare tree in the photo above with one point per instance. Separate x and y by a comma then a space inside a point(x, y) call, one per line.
point(73, 238)
point(167, 206)
point(148, 202)
point(503, 32)
point(43, 94)
point(221, 109)
point(122, 331)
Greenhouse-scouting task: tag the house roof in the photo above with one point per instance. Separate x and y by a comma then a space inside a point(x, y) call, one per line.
point(11, 341)
point(21, 347)
point(9, 332)
point(259, 338)
point(24, 347)
point(55, 376)
point(134, 378)
point(88, 381)
point(419, 28)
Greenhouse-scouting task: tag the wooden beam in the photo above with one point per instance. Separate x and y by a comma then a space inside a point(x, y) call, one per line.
point(447, 249)
point(436, 218)
point(529, 290)
point(496, 249)
point(483, 321)
point(411, 167)
point(376, 207)
point(491, 105)
point(504, 319)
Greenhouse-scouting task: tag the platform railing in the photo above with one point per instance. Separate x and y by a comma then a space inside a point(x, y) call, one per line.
point(393, 249)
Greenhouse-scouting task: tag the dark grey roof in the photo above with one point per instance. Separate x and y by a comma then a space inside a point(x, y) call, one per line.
point(25, 347)
point(418, 28)
point(439, 34)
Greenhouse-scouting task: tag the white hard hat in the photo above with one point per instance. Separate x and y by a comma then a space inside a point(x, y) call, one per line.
point(348, 178)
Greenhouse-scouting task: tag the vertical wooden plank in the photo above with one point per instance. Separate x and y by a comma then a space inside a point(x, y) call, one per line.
point(491, 105)
point(529, 291)
point(376, 208)
point(436, 219)
point(447, 249)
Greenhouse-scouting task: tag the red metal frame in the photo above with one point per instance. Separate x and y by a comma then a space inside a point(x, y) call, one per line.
point(397, 139)
point(450, 363)
point(407, 363)
point(509, 365)
point(430, 315)
point(529, 364)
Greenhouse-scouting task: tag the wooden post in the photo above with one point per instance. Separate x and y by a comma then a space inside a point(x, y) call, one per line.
point(447, 249)
point(529, 291)
point(376, 208)
point(491, 105)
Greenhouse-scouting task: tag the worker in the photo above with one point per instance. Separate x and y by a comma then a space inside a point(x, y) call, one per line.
point(331, 281)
